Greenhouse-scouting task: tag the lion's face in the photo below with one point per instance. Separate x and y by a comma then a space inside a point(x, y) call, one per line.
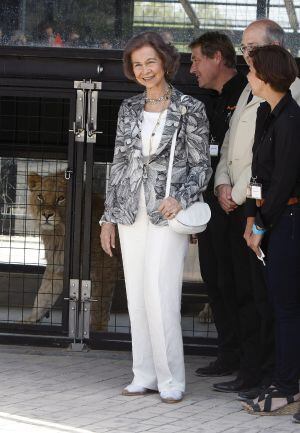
point(47, 200)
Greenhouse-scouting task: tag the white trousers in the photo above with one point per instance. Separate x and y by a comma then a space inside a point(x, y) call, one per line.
point(153, 259)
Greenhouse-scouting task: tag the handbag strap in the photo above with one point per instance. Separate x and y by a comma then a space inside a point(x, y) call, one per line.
point(171, 160)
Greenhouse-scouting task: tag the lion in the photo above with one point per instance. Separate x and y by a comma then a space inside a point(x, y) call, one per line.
point(47, 208)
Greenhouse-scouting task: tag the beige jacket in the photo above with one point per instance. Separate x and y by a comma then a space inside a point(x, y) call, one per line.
point(234, 167)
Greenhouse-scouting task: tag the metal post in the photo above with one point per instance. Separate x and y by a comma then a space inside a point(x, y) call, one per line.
point(261, 10)
point(189, 10)
point(85, 133)
point(23, 17)
point(291, 12)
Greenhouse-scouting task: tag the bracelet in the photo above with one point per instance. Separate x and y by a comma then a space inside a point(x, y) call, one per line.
point(257, 230)
point(102, 222)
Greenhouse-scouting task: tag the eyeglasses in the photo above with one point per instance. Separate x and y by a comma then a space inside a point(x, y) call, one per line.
point(248, 48)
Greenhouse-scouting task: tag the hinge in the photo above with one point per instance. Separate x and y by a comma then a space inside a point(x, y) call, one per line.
point(73, 308)
point(88, 85)
point(85, 310)
point(85, 124)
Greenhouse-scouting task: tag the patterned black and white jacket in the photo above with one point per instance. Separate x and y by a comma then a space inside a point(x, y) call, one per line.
point(191, 167)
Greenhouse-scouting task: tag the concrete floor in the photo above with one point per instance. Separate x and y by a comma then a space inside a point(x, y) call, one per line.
point(47, 390)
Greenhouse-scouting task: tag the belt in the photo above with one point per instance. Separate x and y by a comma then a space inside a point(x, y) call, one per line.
point(291, 200)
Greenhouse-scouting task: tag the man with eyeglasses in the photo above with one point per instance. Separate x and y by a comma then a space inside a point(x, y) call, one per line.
point(232, 177)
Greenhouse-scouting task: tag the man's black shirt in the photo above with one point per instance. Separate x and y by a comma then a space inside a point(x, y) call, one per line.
point(219, 117)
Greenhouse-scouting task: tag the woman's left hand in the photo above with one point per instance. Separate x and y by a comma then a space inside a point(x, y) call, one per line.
point(169, 207)
point(248, 229)
point(254, 242)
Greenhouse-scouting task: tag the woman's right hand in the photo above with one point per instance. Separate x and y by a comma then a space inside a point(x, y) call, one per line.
point(108, 238)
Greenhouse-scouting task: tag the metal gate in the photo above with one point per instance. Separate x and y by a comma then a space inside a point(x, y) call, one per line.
point(36, 151)
point(56, 146)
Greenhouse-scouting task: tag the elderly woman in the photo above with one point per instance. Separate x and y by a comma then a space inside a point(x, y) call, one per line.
point(274, 214)
point(153, 254)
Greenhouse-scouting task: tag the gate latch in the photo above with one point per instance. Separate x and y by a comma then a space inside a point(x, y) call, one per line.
point(85, 310)
point(68, 174)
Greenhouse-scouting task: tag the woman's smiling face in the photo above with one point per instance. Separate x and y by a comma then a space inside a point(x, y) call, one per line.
point(148, 67)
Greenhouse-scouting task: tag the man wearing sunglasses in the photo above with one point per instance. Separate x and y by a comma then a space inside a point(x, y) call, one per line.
point(232, 177)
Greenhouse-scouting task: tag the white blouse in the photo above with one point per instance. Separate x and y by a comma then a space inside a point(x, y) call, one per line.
point(148, 125)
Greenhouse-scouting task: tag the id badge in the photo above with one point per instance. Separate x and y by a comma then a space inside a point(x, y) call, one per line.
point(254, 190)
point(214, 149)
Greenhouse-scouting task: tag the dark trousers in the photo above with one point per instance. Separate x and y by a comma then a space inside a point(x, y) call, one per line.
point(248, 317)
point(217, 273)
point(283, 272)
point(266, 316)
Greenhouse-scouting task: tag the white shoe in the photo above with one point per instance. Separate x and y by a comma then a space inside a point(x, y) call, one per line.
point(172, 396)
point(136, 390)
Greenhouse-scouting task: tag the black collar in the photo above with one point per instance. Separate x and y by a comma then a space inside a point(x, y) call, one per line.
point(282, 103)
point(231, 85)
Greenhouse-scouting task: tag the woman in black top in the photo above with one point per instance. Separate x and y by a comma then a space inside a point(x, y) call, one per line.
point(276, 215)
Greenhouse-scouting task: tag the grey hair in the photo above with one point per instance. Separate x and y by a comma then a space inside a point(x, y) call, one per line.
point(274, 32)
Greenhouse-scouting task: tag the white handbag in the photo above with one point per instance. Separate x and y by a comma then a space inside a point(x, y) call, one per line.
point(193, 219)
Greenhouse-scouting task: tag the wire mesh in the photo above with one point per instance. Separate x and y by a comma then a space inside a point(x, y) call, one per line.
point(34, 125)
point(103, 24)
point(31, 235)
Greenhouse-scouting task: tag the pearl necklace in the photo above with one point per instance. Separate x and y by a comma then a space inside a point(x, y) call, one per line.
point(165, 97)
